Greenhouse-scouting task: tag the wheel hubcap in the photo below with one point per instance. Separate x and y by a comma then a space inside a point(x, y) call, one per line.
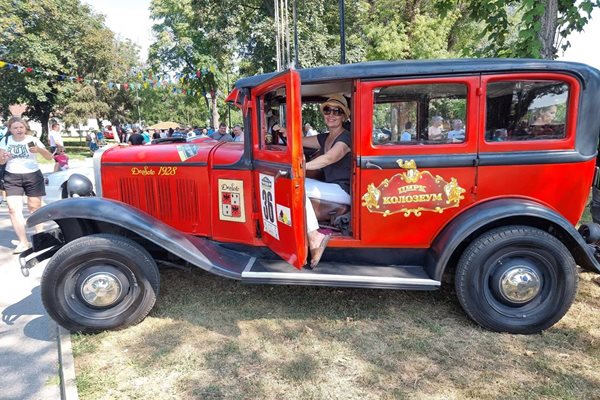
point(520, 284)
point(101, 289)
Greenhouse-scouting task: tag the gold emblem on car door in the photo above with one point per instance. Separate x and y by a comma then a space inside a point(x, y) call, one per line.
point(412, 192)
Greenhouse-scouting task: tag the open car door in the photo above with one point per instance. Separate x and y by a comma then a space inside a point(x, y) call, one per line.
point(278, 166)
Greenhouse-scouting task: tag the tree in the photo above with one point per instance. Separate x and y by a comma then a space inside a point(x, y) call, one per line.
point(120, 100)
point(195, 40)
point(62, 41)
point(194, 33)
point(526, 28)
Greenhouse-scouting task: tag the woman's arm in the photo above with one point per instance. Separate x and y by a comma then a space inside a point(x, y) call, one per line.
point(311, 142)
point(336, 153)
point(40, 149)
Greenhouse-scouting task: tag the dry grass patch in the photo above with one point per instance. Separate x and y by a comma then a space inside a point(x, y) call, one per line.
point(210, 338)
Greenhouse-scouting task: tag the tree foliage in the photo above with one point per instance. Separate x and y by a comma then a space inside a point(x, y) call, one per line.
point(525, 28)
point(208, 44)
point(59, 37)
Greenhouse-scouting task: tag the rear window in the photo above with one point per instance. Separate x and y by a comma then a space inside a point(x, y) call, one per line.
point(526, 110)
point(420, 114)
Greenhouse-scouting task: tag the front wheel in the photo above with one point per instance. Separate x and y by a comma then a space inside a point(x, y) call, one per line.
point(516, 279)
point(100, 282)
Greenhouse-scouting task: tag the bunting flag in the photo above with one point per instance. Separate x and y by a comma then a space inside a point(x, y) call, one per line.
point(172, 82)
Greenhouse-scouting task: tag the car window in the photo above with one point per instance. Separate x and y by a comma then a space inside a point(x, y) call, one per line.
point(272, 120)
point(526, 110)
point(419, 114)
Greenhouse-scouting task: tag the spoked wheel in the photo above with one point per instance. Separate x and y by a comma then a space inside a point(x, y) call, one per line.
point(100, 282)
point(516, 279)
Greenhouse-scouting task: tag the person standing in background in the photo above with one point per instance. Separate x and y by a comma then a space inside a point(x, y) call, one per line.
point(222, 135)
point(406, 135)
point(309, 130)
point(146, 136)
point(238, 133)
point(435, 130)
point(3, 132)
point(22, 176)
point(55, 140)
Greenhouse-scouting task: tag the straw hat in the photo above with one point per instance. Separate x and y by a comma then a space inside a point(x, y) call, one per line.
point(338, 101)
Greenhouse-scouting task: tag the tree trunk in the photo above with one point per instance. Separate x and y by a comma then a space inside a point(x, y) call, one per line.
point(44, 120)
point(215, 111)
point(548, 30)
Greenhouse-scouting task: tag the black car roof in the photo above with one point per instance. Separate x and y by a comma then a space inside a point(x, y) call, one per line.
point(382, 69)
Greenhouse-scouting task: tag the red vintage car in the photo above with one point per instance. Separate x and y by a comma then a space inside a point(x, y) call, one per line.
point(473, 172)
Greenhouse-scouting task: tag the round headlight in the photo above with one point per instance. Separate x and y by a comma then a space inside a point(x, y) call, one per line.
point(79, 186)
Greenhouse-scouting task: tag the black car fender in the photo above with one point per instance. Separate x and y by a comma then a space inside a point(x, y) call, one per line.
point(456, 235)
point(83, 216)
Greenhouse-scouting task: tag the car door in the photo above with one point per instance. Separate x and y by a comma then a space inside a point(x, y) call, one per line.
point(418, 157)
point(278, 172)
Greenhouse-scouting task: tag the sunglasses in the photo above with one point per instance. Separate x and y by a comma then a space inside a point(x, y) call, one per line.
point(335, 111)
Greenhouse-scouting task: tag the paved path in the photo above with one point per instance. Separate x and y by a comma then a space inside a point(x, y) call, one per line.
point(29, 366)
point(28, 342)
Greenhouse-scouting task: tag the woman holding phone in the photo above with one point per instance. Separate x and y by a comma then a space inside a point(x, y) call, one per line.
point(23, 176)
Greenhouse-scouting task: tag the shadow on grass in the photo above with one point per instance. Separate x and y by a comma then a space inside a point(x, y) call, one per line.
point(235, 341)
point(420, 338)
point(218, 304)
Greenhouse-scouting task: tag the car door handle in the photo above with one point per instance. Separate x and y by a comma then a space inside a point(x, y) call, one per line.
point(281, 173)
point(370, 164)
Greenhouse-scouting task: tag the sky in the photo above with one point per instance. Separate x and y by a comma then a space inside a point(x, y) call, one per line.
point(131, 19)
point(127, 19)
point(584, 45)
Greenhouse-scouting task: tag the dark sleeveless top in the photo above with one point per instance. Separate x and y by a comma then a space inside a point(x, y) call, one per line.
point(338, 172)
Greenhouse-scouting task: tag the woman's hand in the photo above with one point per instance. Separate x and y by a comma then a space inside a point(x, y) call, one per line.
point(42, 151)
point(4, 156)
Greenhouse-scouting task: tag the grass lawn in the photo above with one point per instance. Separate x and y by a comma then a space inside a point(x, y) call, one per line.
point(212, 338)
point(76, 150)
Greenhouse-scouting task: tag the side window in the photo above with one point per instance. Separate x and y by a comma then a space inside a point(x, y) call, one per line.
point(526, 110)
point(272, 114)
point(419, 114)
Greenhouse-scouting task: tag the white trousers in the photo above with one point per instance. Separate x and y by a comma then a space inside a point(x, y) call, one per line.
point(325, 191)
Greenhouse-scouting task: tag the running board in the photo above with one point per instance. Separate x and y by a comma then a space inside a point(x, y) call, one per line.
point(339, 275)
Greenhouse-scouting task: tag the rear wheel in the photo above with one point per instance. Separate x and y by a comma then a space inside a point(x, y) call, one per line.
point(100, 282)
point(516, 279)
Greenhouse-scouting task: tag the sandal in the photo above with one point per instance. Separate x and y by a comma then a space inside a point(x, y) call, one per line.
point(21, 248)
point(316, 253)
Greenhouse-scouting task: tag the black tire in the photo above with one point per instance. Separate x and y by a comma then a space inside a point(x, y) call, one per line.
point(493, 257)
point(122, 260)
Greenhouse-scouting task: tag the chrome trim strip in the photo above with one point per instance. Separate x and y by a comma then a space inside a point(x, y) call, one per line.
point(97, 163)
point(249, 265)
point(339, 278)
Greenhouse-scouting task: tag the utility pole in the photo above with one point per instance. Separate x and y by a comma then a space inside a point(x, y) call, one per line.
point(277, 36)
point(228, 105)
point(296, 50)
point(342, 33)
point(137, 98)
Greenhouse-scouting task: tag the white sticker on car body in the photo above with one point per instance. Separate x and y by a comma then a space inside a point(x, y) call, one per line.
point(284, 215)
point(231, 200)
point(267, 202)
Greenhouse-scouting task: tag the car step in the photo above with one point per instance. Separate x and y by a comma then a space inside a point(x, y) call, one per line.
point(339, 275)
